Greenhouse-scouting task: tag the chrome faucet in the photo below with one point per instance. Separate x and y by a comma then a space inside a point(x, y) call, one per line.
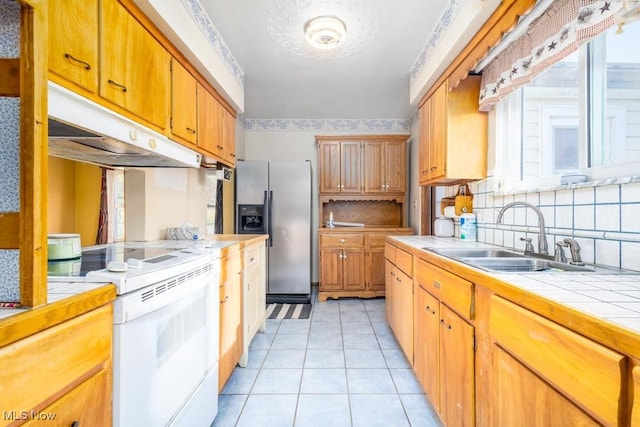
point(574, 247)
point(543, 246)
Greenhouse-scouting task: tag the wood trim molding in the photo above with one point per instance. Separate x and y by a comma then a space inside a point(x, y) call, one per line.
point(389, 137)
point(10, 77)
point(9, 230)
point(33, 155)
point(501, 21)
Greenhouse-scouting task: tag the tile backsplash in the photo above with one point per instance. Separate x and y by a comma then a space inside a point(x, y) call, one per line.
point(603, 217)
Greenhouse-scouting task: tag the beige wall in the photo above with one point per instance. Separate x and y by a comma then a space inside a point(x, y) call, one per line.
point(74, 199)
point(164, 197)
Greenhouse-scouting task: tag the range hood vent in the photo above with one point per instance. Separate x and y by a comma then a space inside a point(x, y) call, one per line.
point(80, 129)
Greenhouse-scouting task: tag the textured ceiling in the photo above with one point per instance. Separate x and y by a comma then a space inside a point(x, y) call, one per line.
point(366, 78)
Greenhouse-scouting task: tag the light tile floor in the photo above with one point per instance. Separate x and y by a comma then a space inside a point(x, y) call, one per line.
point(341, 367)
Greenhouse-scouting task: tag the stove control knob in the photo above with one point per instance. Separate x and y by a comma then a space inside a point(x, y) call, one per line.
point(117, 266)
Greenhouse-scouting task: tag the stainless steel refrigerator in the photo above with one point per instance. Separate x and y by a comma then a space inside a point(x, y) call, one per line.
point(274, 197)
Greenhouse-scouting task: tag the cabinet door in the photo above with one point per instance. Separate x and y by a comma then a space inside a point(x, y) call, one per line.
point(231, 325)
point(229, 137)
point(134, 67)
point(403, 313)
point(521, 398)
point(353, 276)
point(183, 103)
point(457, 384)
point(350, 167)
point(425, 140)
point(438, 133)
point(210, 123)
point(89, 404)
point(375, 268)
point(374, 167)
point(331, 269)
point(395, 166)
point(426, 344)
point(73, 41)
point(329, 166)
point(390, 280)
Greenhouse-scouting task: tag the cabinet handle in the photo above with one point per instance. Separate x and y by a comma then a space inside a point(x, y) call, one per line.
point(430, 310)
point(220, 147)
point(436, 284)
point(443, 323)
point(392, 273)
point(225, 299)
point(192, 131)
point(398, 279)
point(232, 155)
point(342, 240)
point(118, 85)
point(433, 168)
point(87, 66)
point(251, 259)
point(75, 424)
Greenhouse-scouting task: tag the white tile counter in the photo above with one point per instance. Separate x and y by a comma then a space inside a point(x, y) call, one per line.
point(614, 298)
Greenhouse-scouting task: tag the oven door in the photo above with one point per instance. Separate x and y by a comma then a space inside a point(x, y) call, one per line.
point(165, 346)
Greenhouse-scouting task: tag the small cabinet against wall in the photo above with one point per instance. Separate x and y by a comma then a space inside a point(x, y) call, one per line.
point(453, 135)
point(385, 166)
point(134, 66)
point(73, 43)
point(339, 166)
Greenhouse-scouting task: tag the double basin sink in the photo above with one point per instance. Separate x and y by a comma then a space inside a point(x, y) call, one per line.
point(505, 261)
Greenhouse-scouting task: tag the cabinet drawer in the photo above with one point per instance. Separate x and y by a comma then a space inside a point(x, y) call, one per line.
point(404, 261)
point(343, 240)
point(252, 256)
point(583, 370)
point(452, 290)
point(43, 366)
point(89, 404)
point(376, 240)
point(390, 253)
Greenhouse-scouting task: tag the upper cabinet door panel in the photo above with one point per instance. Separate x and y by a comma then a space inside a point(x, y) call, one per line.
point(229, 137)
point(73, 42)
point(134, 66)
point(374, 171)
point(351, 167)
point(329, 166)
point(209, 123)
point(395, 166)
point(183, 103)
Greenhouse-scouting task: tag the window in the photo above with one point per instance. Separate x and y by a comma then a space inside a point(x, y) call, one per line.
point(582, 113)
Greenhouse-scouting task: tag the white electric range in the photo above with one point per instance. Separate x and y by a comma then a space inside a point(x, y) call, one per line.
point(166, 326)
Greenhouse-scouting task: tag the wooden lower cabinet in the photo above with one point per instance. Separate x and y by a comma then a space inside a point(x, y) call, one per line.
point(548, 372)
point(399, 285)
point(426, 348)
point(62, 375)
point(255, 295)
point(352, 263)
point(231, 322)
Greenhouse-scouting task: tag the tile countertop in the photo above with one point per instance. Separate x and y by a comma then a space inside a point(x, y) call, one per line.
point(612, 298)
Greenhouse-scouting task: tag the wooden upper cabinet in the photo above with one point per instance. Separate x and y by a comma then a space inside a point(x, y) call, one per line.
point(73, 43)
point(340, 166)
point(134, 66)
point(385, 166)
point(209, 123)
point(368, 164)
point(229, 137)
point(453, 135)
point(183, 103)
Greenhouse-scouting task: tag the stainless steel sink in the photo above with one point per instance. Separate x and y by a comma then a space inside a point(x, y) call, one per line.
point(478, 253)
point(523, 265)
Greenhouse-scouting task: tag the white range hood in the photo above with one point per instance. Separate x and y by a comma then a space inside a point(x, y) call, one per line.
point(80, 129)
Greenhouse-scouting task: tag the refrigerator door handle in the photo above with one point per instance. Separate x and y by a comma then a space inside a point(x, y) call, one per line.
point(270, 224)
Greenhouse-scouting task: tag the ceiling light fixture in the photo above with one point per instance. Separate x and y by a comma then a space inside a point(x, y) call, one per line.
point(325, 32)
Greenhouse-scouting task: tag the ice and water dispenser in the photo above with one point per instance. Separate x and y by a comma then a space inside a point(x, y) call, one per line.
point(251, 219)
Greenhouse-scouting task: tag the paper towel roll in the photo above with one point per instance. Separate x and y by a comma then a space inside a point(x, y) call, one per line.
point(450, 212)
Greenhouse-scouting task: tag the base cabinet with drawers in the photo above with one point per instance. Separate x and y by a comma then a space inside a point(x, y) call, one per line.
point(352, 262)
point(444, 342)
point(231, 322)
point(491, 354)
point(61, 376)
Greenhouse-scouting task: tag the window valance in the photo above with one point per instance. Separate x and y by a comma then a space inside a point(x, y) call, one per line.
point(555, 34)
